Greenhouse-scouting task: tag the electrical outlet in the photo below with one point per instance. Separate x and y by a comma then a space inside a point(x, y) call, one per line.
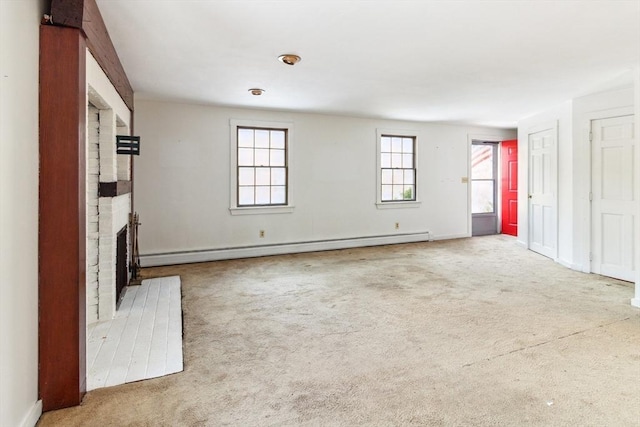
point(397, 225)
point(261, 233)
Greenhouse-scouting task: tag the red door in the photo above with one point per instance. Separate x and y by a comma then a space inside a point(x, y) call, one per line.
point(509, 156)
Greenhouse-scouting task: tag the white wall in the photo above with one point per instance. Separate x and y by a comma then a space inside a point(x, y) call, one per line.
point(636, 299)
point(574, 170)
point(585, 109)
point(182, 180)
point(19, 50)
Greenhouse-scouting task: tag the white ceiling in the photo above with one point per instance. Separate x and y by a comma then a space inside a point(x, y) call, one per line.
point(472, 61)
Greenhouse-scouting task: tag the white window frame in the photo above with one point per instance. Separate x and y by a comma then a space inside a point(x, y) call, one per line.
point(234, 124)
point(396, 204)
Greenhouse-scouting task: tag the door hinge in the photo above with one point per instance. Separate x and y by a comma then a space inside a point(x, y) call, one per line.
point(590, 136)
point(590, 256)
point(590, 196)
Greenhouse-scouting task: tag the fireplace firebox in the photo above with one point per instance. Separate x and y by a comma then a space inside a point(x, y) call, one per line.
point(122, 276)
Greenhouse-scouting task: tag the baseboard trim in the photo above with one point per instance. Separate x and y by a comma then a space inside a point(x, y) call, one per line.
point(187, 257)
point(32, 417)
point(450, 236)
point(570, 265)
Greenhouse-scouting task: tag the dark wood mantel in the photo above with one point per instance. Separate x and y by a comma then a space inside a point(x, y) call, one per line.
point(114, 189)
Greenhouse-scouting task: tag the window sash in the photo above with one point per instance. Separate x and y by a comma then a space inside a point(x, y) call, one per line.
point(398, 172)
point(262, 172)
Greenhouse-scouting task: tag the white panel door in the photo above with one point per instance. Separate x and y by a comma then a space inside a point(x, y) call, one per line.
point(543, 203)
point(613, 215)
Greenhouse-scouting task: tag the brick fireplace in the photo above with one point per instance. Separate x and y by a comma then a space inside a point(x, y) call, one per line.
point(108, 209)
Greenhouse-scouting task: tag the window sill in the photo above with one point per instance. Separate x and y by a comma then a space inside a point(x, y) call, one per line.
point(398, 205)
point(261, 210)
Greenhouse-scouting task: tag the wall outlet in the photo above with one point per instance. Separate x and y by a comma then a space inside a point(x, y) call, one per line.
point(397, 226)
point(261, 233)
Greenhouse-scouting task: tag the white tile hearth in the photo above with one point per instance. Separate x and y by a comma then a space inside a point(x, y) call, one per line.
point(143, 341)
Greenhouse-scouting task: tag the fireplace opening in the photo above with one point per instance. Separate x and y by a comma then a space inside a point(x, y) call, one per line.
point(122, 275)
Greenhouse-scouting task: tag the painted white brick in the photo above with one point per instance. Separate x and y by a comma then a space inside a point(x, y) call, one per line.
point(106, 272)
point(92, 315)
point(92, 255)
point(92, 290)
point(106, 241)
point(92, 214)
point(104, 292)
point(107, 311)
point(105, 216)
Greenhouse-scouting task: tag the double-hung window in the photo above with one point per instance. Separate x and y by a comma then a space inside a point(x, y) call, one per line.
point(397, 168)
point(260, 170)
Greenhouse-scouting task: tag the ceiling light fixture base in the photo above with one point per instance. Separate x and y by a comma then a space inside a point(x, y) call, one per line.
point(289, 59)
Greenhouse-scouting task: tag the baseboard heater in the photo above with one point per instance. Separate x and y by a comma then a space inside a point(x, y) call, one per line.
point(171, 258)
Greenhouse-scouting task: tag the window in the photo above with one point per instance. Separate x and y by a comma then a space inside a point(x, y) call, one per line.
point(397, 168)
point(260, 172)
point(262, 167)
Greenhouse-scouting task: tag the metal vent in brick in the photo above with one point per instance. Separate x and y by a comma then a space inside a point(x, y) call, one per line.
point(126, 144)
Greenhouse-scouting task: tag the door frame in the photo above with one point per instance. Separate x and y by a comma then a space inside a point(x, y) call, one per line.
point(584, 201)
point(489, 138)
point(550, 125)
point(497, 179)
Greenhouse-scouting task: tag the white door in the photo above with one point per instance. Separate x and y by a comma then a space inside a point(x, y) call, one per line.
point(613, 205)
point(543, 202)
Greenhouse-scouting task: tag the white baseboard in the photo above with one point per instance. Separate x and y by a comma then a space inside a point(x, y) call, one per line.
point(450, 236)
point(154, 260)
point(569, 264)
point(32, 417)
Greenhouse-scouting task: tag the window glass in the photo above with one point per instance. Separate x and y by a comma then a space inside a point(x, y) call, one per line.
point(262, 167)
point(481, 162)
point(482, 196)
point(397, 174)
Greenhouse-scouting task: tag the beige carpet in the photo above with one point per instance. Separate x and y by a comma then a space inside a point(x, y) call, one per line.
point(465, 332)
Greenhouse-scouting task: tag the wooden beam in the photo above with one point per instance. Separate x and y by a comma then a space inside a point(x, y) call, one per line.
point(62, 204)
point(101, 47)
point(67, 13)
point(114, 189)
point(85, 15)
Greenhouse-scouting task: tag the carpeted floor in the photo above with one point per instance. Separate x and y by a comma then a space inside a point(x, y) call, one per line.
point(464, 332)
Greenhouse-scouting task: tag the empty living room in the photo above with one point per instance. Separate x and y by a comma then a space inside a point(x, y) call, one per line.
point(320, 213)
